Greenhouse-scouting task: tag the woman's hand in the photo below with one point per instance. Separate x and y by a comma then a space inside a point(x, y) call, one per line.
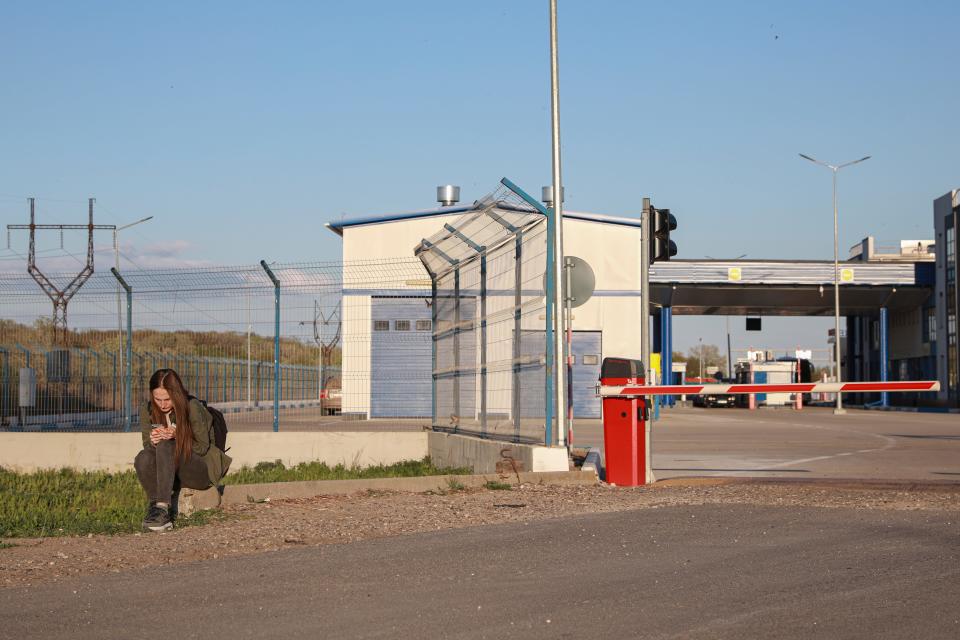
point(161, 433)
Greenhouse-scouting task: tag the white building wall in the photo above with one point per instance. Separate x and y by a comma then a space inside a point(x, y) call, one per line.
point(612, 250)
point(355, 367)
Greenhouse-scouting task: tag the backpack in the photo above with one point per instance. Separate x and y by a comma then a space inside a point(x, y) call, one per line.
point(219, 424)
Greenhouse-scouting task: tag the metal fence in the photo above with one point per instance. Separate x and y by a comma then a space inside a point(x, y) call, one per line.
point(489, 312)
point(263, 343)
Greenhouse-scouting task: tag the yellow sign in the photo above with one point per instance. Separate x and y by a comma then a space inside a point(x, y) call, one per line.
point(655, 362)
point(734, 274)
point(846, 275)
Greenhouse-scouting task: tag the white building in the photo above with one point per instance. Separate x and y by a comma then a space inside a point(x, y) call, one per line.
point(386, 314)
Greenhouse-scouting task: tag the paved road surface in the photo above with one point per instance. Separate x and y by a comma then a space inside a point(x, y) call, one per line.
point(675, 572)
point(812, 443)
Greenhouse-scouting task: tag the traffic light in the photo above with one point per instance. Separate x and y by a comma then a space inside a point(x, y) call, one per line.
point(662, 222)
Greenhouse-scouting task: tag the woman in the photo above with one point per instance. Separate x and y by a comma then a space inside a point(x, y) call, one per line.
point(178, 449)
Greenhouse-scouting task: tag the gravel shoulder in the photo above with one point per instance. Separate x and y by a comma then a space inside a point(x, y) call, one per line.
point(254, 528)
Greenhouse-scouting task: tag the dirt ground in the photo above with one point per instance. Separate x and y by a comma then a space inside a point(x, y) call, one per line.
point(264, 527)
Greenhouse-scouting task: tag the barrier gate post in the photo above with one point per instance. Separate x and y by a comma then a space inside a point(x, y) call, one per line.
point(624, 424)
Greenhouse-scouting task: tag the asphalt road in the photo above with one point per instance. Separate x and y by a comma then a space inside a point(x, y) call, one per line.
point(673, 572)
point(812, 443)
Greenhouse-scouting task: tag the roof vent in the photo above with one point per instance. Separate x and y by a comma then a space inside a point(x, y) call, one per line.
point(546, 194)
point(448, 195)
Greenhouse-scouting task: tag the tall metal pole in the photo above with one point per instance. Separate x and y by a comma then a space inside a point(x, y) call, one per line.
point(249, 378)
point(836, 291)
point(729, 356)
point(559, 373)
point(645, 231)
point(836, 266)
point(645, 288)
point(116, 265)
point(128, 386)
point(276, 345)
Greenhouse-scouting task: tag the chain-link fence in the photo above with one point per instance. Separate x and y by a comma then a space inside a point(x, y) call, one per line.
point(265, 344)
point(489, 353)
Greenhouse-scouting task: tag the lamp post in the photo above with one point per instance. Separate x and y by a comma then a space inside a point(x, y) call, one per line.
point(700, 369)
point(116, 262)
point(836, 265)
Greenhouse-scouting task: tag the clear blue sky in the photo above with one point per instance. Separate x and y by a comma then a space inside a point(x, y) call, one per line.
point(244, 126)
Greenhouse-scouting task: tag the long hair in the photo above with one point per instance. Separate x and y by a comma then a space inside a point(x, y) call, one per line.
point(168, 380)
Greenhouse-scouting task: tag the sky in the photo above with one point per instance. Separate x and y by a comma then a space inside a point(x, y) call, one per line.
point(243, 127)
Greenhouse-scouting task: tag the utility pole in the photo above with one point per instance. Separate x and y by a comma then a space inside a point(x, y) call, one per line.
point(60, 298)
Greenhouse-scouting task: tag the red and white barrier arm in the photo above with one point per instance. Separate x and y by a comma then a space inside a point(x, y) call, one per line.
point(793, 387)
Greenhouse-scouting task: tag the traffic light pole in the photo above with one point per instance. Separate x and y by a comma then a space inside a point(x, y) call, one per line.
point(646, 231)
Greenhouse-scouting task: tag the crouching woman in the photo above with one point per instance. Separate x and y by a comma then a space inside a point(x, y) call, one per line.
point(178, 447)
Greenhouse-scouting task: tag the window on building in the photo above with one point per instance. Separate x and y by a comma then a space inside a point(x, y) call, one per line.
point(401, 325)
point(424, 325)
point(591, 359)
point(381, 325)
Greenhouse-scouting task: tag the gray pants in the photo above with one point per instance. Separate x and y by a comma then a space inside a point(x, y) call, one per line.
point(159, 476)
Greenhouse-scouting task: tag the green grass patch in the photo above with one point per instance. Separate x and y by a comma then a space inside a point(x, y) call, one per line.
point(67, 503)
point(278, 472)
point(494, 485)
point(7, 545)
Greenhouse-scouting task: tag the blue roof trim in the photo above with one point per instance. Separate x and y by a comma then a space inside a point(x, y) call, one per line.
point(338, 226)
point(597, 217)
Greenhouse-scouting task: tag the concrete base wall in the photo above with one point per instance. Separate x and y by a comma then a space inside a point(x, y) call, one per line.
point(491, 456)
point(26, 452)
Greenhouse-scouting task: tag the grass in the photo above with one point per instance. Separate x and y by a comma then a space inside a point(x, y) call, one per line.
point(66, 502)
point(278, 472)
point(494, 485)
point(7, 545)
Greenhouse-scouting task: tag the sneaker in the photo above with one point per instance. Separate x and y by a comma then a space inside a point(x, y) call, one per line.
point(158, 519)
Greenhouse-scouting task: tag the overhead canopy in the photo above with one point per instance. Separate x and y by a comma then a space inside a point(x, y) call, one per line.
point(787, 288)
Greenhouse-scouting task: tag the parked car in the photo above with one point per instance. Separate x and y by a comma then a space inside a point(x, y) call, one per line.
point(331, 398)
point(714, 400)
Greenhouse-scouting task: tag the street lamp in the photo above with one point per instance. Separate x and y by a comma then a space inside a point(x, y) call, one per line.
point(700, 369)
point(836, 266)
point(116, 260)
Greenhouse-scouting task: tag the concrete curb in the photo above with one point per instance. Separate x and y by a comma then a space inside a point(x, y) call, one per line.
point(592, 461)
point(191, 500)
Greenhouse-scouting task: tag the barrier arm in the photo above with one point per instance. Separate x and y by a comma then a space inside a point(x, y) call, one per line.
point(793, 387)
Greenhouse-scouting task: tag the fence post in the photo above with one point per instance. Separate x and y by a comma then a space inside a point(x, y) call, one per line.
point(515, 403)
point(433, 353)
point(128, 394)
point(555, 382)
point(276, 345)
point(4, 391)
point(884, 353)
